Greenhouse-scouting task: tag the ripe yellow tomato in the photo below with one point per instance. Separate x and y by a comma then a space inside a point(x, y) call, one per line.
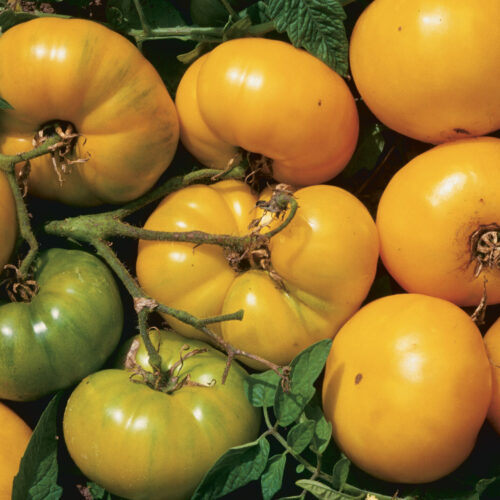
point(8, 221)
point(267, 97)
point(439, 216)
point(14, 436)
point(492, 342)
point(78, 71)
point(429, 69)
point(407, 387)
point(324, 280)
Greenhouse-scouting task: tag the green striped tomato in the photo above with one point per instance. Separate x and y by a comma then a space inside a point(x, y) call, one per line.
point(65, 332)
point(144, 444)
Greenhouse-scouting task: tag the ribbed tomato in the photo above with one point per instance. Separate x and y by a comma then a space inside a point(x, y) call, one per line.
point(78, 71)
point(323, 264)
point(269, 98)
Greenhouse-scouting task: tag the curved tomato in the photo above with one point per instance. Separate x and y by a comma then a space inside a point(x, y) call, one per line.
point(146, 444)
point(14, 436)
point(65, 332)
point(429, 68)
point(8, 221)
point(323, 281)
point(78, 71)
point(267, 97)
point(434, 216)
point(407, 387)
point(492, 342)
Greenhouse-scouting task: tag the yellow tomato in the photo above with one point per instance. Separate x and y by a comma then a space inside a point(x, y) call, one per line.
point(429, 69)
point(492, 342)
point(14, 436)
point(8, 221)
point(434, 216)
point(324, 280)
point(267, 97)
point(78, 71)
point(407, 387)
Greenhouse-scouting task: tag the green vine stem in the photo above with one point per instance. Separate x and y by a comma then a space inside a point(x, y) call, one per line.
point(8, 165)
point(316, 472)
point(98, 229)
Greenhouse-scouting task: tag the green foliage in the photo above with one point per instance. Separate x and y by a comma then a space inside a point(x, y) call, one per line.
point(37, 476)
point(234, 469)
point(272, 478)
point(315, 25)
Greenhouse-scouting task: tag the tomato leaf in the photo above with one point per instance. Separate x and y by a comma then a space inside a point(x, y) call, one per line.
point(4, 104)
point(272, 478)
point(305, 369)
point(261, 388)
point(37, 476)
point(301, 435)
point(323, 428)
point(315, 25)
point(236, 468)
point(340, 472)
point(324, 492)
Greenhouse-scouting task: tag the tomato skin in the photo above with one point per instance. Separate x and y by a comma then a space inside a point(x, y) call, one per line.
point(429, 68)
point(247, 93)
point(428, 212)
point(492, 342)
point(67, 331)
point(407, 387)
point(14, 436)
point(148, 445)
point(81, 72)
point(8, 221)
point(325, 281)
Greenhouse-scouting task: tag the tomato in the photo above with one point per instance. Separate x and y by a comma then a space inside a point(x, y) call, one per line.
point(433, 216)
point(323, 281)
point(65, 332)
point(8, 221)
point(250, 94)
point(14, 436)
point(78, 71)
point(492, 342)
point(407, 387)
point(145, 444)
point(429, 68)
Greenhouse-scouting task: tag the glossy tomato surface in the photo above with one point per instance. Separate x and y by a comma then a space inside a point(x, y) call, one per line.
point(250, 94)
point(492, 342)
point(14, 436)
point(323, 281)
point(65, 332)
point(407, 387)
point(8, 221)
point(427, 217)
point(80, 72)
point(145, 444)
point(429, 69)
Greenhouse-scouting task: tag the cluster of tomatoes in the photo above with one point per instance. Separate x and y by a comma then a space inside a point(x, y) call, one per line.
point(409, 381)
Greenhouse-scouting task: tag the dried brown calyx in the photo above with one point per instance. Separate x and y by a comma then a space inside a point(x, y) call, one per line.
point(485, 248)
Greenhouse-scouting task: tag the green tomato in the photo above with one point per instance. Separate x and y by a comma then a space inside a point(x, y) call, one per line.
point(144, 444)
point(65, 332)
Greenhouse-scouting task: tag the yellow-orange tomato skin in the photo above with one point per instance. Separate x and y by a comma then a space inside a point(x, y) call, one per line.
point(429, 69)
point(267, 97)
point(407, 387)
point(322, 281)
point(492, 342)
point(428, 212)
point(14, 437)
point(78, 71)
